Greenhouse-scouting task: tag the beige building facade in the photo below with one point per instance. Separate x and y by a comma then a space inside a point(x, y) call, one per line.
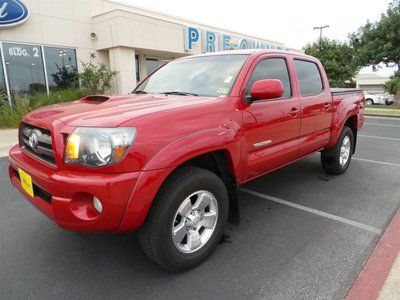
point(57, 35)
point(371, 83)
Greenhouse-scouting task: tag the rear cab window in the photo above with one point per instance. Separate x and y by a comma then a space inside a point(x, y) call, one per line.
point(309, 78)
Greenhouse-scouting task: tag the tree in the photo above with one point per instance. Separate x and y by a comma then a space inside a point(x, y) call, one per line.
point(379, 42)
point(393, 85)
point(96, 79)
point(338, 61)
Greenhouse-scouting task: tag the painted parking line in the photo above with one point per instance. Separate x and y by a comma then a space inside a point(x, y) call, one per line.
point(377, 161)
point(314, 211)
point(380, 124)
point(377, 137)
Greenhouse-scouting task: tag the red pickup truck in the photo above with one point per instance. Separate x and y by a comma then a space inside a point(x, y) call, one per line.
point(167, 159)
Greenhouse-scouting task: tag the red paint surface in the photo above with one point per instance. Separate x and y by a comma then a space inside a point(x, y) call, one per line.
point(373, 276)
point(172, 130)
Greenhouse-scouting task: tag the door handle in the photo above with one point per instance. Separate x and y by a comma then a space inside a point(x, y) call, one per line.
point(294, 112)
point(327, 105)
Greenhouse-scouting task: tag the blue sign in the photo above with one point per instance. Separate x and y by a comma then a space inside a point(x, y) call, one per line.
point(212, 41)
point(12, 13)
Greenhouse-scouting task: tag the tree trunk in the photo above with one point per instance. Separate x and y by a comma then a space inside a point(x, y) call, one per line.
point(397, 96)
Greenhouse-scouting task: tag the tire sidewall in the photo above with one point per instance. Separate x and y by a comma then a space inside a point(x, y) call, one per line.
point(208, 183)
point(346, 132)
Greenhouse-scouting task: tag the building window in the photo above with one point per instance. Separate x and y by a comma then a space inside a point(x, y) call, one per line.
point(24, 67)
point(151, 65)
point(137, 68)
point(61, 67)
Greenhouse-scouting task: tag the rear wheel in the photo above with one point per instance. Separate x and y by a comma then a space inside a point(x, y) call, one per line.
point(337, 159)
point(186, 221)
point(369, 101)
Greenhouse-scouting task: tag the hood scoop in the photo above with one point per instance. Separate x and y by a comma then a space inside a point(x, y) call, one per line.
point(95, 99)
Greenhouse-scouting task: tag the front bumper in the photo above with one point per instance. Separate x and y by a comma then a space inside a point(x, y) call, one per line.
point(66, 196)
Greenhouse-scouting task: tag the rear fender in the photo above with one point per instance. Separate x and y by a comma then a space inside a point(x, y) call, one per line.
point(343, 113)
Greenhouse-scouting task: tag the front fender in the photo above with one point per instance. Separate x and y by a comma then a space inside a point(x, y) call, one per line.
point(164, 163)
point(195, 144)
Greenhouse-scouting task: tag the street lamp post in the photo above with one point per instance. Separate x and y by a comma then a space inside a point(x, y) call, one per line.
point(320, 28)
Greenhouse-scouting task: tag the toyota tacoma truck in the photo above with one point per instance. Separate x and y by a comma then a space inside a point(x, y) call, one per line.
point(167, 159)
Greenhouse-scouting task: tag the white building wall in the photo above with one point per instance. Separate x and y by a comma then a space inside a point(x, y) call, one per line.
point(121, 32)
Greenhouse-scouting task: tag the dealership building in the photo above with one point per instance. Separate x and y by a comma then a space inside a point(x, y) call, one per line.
point(43, 41)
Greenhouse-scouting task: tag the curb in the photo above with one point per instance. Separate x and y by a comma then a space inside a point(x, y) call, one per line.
point(372, 277)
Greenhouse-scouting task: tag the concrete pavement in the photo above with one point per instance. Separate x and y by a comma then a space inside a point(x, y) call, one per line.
point(8, 138)
point(304, 234)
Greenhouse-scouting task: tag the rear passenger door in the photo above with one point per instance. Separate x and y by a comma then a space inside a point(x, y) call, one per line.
point(271, 127)
point(316, 106)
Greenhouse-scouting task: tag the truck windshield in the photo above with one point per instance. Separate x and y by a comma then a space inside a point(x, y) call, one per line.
point(197, 76)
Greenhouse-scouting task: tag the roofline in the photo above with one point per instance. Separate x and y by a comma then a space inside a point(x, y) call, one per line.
point(250, 52)
point(184, 21)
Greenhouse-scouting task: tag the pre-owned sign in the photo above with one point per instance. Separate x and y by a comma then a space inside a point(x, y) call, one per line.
point(211, 41)
point(12, 13)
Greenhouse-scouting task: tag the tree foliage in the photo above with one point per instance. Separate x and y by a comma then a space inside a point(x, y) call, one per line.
point(96, 78)
point(337, 59)
point(379, 42)
point(393, 85)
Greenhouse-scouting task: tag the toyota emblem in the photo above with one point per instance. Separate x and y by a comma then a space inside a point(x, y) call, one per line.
point(33, 140)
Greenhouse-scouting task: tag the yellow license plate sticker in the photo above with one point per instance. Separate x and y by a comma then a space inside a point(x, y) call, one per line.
point(26, 182)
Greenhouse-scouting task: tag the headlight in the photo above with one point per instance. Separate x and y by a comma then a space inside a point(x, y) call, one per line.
point(98, 147)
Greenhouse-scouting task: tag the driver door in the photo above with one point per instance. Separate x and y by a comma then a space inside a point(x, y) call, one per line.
point(271, 127)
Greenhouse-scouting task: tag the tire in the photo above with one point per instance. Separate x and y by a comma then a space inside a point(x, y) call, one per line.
point(369, 102)
point(168, 213)
point(334, 160)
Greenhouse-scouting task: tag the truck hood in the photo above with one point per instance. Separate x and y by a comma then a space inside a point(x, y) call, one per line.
point(111, 111)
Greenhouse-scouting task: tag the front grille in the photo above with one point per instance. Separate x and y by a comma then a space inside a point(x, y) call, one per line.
point(40, 145)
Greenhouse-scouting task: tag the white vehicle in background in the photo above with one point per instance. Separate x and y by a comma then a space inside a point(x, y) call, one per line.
point(374, 99)
point(389, 99)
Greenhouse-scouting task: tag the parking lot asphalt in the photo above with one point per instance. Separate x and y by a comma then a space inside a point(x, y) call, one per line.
point(303, 234)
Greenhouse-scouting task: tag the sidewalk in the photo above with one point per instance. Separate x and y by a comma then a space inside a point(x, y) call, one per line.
point(8, 138)
point(380, 277)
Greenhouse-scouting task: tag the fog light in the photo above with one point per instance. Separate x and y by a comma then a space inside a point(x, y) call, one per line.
point(97, 205)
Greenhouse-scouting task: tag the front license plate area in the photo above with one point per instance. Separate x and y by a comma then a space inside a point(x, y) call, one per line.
point(26, 182)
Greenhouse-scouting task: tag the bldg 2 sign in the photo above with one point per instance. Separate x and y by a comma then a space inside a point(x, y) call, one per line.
point(12, 13)
point(210, 41)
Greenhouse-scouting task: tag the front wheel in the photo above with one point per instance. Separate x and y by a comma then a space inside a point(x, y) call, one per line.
point(337, 159)
point(187, 218)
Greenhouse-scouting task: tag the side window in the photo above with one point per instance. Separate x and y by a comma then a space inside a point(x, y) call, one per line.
point(272, 68)
point(309, 78)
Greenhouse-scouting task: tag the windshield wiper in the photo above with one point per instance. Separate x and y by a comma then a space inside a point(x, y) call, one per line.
point(139, 92)
point(179, 93)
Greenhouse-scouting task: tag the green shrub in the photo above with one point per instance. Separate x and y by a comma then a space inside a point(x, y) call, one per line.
point(42, 99)
point(96, 78)
point(10, 117)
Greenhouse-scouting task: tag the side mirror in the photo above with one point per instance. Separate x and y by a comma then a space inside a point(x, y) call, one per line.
point(266, 89)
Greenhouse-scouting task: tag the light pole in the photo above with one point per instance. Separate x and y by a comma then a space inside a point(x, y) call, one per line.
point(320, 28)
